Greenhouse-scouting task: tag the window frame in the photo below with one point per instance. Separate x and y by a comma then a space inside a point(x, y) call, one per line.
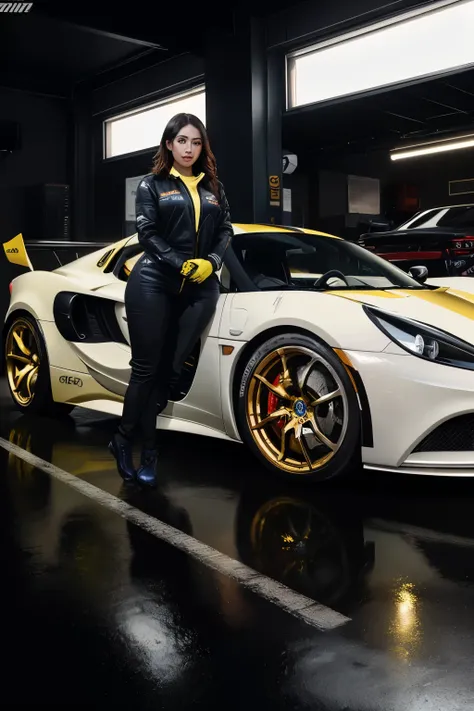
point(401, 18)
point(142, 109)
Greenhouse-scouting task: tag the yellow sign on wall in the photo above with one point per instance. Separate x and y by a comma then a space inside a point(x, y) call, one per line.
point(275, 192)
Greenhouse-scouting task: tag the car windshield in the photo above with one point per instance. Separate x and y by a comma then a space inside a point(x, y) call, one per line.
point(459, 216)
point(311, 261)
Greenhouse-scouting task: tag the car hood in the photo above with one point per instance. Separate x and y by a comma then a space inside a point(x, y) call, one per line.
point(448, 309)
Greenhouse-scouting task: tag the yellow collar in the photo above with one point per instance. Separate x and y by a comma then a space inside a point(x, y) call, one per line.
point(187, 179)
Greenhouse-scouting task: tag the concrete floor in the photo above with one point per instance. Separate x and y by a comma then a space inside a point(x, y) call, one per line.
point(100, 613)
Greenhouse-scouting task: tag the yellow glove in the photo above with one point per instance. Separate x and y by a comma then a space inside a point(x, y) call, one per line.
point(202, 271)
point(188, 268)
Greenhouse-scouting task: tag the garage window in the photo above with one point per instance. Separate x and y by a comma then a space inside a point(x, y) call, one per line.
point(141, 129)
point(418, 45)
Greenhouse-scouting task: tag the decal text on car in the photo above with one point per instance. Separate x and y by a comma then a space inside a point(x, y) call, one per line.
point(70, 380)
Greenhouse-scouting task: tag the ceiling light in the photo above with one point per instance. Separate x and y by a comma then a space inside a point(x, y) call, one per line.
point(431, 148)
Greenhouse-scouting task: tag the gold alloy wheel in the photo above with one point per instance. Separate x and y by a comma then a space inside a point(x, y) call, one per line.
point(297, 409)
point(22, 361)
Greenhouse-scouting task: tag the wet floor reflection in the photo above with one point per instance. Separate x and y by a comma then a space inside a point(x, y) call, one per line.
point(394, 554)
point(405, 627)
point(97, 599)
point(315, 546)
point(122, 618)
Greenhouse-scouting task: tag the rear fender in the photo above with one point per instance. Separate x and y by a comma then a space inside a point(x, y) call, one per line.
point(35, 292)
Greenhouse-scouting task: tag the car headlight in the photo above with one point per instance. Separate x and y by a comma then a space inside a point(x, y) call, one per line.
point(423, 341)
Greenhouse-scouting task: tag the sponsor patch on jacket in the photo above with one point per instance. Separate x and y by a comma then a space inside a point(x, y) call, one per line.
point(212, 200)
point(173, 195)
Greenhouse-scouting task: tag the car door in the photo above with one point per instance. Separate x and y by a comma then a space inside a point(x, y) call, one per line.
point(202, 403)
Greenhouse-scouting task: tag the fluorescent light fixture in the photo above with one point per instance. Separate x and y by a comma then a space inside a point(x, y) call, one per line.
point(449, 144)
point(418, 45)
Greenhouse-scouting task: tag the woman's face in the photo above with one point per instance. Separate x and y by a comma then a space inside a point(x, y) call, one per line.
point(186, 147)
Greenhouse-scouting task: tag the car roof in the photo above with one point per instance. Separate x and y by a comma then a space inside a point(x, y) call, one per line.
point(246, 228)
point(106, 255)
point(446, 207)
point(259, 228)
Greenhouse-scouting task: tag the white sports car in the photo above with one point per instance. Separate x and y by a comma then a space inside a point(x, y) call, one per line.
point(320, 354)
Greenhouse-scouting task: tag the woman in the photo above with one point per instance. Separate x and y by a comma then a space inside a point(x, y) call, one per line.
point(184, 226)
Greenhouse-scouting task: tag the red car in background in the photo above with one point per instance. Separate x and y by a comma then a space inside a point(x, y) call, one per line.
point(441, 239)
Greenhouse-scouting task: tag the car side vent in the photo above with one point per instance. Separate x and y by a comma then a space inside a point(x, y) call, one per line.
point(81, 318)
point(104, 258)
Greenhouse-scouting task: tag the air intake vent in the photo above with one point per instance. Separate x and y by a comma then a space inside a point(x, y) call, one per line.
point(86, 319)
point(104, 258)
point(456, 435)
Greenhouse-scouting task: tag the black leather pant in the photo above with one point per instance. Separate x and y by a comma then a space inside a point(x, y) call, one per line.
point(164, 327)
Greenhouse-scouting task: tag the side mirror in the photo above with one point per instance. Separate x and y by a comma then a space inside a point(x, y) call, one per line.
point(380, 226)
point(419, 273)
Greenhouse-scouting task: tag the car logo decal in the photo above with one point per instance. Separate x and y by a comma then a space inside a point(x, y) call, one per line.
point(300, 408)
point(71, 380)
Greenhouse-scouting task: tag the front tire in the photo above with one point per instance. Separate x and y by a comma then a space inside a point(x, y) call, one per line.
point(27, 369)
point(297, 409)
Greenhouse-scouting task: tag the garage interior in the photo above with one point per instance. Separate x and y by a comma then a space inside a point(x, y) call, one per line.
point(65, 70)
point(351, 138)
point(48, 81)
point(54, 95)
point(103, 609)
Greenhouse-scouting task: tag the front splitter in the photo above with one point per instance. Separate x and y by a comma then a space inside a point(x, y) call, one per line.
point(423, 471)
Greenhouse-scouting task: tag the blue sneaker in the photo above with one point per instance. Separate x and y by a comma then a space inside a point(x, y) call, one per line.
point(121, 449)
point(146, 473)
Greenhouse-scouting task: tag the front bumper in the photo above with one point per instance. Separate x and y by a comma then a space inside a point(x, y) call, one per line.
point(409, 398)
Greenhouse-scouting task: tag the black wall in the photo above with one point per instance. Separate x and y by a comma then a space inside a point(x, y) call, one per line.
point(42, 158)
point(109, 212)
point(320, 185)
point(430, 174)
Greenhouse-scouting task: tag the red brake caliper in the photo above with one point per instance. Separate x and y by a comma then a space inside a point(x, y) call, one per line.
point(273, 404)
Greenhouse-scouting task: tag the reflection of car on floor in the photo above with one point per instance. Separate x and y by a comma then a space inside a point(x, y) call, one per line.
point(442, 239)
point(319, 354)
point(315, 547)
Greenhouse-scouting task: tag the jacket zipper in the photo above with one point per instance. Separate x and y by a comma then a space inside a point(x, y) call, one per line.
point(194, 222)
point(194, 216)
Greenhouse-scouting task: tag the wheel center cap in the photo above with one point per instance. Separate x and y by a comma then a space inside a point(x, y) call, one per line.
point(300, 408)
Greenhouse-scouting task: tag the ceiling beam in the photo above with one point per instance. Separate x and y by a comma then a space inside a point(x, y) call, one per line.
point(130, 26)
point(36, 85)
point(113, 25)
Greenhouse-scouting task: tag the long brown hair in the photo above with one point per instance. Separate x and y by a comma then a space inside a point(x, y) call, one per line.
point(206, 163)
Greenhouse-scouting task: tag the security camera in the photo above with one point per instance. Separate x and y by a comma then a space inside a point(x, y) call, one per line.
point(290, 162)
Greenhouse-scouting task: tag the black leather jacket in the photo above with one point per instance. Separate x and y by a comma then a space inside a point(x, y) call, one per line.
point(165, 221)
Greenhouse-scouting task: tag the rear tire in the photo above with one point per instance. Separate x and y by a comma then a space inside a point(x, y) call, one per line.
point(277, 416)
point(25, 350)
